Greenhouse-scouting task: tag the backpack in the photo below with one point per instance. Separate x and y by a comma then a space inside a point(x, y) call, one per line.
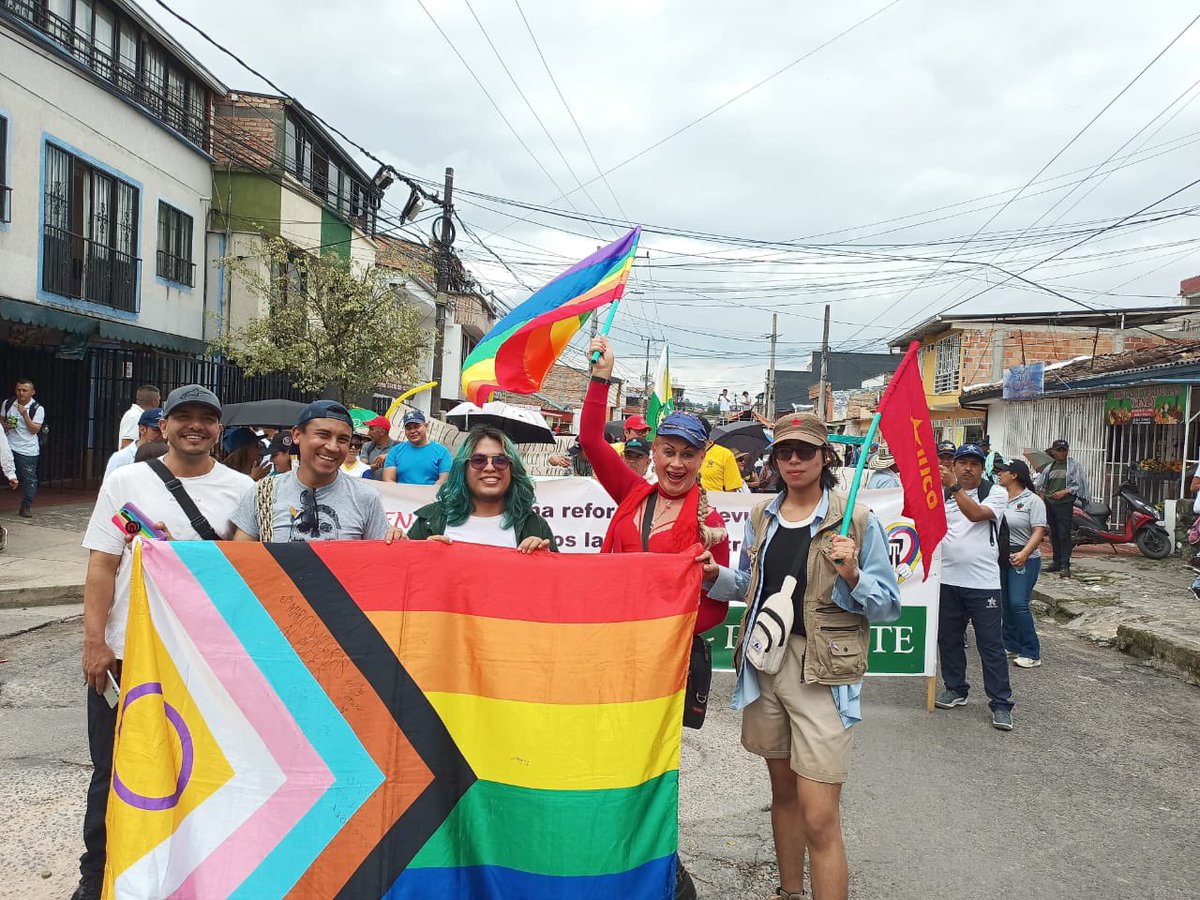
point(999, 533)
point(43, 434)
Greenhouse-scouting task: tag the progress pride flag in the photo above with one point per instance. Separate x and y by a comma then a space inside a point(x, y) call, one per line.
point(904, 421)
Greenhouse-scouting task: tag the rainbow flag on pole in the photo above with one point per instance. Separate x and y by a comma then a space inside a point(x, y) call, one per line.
point(518, 352)
point(348, 719)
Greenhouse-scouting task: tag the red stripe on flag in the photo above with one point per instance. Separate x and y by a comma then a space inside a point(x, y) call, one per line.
point(904, 421)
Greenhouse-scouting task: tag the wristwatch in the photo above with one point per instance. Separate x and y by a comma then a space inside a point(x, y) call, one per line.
point(954, 489)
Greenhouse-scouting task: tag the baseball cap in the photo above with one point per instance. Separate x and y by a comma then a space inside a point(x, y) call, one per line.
point(686, 427)
point(638, 446)
point(237, 438)
point(191, 393)
point(970, 451)
point(801, 427)
point(1000, 464)
point(638, 422)
point(324, 409)
point(378, 422)
point(413, 416)
point(946, 447)
point(1020, 468)
point(282, 443)
point(1060, 444)
point(150, 418)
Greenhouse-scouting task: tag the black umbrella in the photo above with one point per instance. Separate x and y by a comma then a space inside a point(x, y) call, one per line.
point(743, 437)
point(273, 413)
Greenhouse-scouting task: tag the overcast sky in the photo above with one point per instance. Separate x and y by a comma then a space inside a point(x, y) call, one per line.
point(928, 105)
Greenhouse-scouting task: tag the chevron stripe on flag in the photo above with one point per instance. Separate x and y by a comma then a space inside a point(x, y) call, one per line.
point(349, 719)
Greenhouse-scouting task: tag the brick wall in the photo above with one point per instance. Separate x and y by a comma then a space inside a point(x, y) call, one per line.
point(568, 386)
point(983, 362)
point(248, 131)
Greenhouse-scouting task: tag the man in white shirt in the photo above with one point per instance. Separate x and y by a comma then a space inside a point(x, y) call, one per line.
point(191, 424)
point(971, 586)
point(147, 397)
point(23, 418)
point(147, 430)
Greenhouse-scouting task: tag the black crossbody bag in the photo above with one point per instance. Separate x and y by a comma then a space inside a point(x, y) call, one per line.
point(699, 679)
point(175, 486)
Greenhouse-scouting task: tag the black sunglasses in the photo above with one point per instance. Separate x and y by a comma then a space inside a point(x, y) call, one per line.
point(479, 461)
point(308, 523)
point(804, 451)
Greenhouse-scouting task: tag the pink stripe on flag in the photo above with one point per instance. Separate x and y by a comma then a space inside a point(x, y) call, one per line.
point(306, 777)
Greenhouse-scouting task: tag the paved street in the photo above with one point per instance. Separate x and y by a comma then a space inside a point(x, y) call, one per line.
point(1096, 793)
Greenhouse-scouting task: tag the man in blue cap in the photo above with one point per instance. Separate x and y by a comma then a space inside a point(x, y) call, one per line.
point(147, 431)
point(417, 460)
point(971, 585)
point(315, 501)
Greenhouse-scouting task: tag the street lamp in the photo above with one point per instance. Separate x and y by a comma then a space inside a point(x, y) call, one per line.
point(416, 197)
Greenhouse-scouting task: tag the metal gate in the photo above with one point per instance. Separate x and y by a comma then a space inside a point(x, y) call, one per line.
point(59, 386)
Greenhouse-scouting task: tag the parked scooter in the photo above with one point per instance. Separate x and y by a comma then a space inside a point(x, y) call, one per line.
point(1142, 526)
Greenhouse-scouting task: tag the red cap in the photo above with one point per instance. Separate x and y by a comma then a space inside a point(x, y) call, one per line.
point(636, 422)
point(378, 422)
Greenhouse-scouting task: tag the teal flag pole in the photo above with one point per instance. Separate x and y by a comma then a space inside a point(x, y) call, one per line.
point(612, 314)
point(856, 482)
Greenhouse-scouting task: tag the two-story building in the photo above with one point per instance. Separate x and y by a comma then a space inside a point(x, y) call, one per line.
point(105, 185)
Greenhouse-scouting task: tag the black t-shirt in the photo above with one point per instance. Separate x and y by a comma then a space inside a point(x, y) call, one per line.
point(785, 546)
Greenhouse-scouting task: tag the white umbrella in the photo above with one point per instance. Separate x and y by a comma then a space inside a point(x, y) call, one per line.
point(521, 423)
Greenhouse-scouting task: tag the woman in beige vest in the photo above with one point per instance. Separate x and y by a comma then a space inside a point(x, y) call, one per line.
point(811, 594)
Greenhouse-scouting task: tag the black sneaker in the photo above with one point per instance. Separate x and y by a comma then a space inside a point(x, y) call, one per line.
point(1053, 567)
point(90, 887)
point(949, 700)
point(25, 513)
point(1064, 573)
point(1002, 719)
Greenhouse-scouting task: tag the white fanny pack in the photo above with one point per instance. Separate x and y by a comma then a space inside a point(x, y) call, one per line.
point(768, 639)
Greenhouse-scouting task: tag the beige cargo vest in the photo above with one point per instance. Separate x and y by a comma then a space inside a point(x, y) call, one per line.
point(837, 639)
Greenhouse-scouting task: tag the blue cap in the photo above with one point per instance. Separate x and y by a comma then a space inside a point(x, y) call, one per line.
point(686, 427)
point(970, 451)
point(324, 409)
point(413, 416)
point(237, 438)
point(150, 418)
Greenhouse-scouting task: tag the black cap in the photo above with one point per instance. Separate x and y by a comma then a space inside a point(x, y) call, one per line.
point(281, 443)
point(324, 409)
point(1020, 469)
point(946, 447)
point(1060, 444)
point(637, 446)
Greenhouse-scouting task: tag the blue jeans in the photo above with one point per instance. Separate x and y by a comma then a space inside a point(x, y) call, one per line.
point(26, 467)
point(1020, 635)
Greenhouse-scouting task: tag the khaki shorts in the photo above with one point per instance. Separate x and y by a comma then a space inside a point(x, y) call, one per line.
point(799, 722)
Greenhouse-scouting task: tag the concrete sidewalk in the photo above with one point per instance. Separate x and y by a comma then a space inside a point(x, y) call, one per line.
point(1141, 606)
point(44, 563)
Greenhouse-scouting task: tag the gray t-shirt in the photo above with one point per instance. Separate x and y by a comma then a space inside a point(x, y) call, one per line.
point(347, 509)
point(1024, 512)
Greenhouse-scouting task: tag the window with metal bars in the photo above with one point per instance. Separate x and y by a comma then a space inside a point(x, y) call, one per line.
point(89, 234)
point(946, 364)
point(5, 187)
point(174, 261)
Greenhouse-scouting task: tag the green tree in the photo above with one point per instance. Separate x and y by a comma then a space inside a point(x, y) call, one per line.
point(329, 324)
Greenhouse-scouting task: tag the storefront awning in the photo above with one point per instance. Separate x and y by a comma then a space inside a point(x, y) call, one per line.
point(14, 310)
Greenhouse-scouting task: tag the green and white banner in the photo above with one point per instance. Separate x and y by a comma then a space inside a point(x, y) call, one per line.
point(578, 510)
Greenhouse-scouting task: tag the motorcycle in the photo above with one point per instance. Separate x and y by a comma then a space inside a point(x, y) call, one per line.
point(1142, 526)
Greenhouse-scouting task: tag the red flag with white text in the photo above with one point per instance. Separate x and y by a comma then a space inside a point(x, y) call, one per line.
point(904, 421)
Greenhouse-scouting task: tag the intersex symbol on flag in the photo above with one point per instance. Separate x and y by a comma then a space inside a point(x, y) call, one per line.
point(904, 421)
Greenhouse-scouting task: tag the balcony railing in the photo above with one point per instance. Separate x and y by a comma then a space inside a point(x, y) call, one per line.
point(176, 268)
point(75, 266)
point(146, 91)
point(5, 204)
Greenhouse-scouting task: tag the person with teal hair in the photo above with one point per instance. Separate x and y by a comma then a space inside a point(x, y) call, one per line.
point(486, 499)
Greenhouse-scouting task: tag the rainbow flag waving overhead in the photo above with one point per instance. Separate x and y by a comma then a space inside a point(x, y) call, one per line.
point(348, 719)
point(518, 352)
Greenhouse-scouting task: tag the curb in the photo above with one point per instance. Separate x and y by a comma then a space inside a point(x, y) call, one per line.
point(50, 595)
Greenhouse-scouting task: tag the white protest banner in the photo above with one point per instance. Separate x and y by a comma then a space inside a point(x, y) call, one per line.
point(578, 511)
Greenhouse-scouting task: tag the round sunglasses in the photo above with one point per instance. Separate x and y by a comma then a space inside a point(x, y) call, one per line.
point(479, 461)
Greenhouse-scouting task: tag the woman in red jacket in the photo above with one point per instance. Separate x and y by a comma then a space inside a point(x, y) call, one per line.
point(680, 516)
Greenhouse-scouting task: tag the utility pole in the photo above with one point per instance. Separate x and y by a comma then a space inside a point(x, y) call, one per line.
point(770, 398)
point(442, 301)
point(824, 413)
point(646, 381)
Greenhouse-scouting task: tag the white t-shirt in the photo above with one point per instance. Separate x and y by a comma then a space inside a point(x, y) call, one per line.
point(215, 494)
point(723, 403)
point(483, 530)
point(123, 457)
point(969, 557)
point(21, 439)
point(128, 430)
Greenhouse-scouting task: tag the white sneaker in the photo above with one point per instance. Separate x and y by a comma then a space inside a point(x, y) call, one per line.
point(1026, 663)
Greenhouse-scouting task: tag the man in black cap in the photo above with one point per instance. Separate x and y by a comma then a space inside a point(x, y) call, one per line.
point(191, 424)
point(637, 454)
point(1061, 481)
point(946, 452)
point(314, 501)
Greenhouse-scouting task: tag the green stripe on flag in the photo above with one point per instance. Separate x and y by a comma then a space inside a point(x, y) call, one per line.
point(558, 832)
